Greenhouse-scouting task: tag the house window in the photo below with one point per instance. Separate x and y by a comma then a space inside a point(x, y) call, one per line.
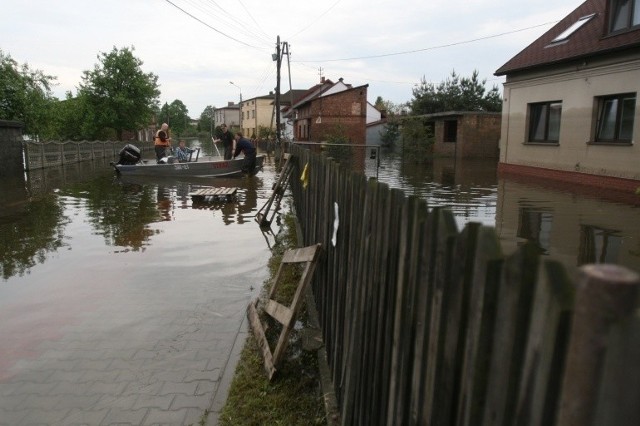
point(615, 118)
point(544, 121)
point(624, 14)
point(450, 130)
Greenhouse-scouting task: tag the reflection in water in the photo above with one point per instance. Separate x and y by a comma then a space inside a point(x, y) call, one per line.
point(467, 187)
point(535, 226)
point(120, 212)
point(125, 212)
point(598, 245)
point(165, 203)
point(28, 234)
point(573, 225)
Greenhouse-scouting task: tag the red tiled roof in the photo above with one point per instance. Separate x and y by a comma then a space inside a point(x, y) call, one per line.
point(591, 39)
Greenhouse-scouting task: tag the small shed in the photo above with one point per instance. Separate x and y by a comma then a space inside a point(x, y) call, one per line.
point(465, 134)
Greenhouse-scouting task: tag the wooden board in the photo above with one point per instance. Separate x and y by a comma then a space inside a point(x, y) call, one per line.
point(286, 315)
point(213, 194)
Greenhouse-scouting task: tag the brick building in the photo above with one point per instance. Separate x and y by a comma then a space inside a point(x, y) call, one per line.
point(330, 110)
point(465, 134)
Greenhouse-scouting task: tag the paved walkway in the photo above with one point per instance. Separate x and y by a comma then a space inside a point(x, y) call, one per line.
point(163, 367)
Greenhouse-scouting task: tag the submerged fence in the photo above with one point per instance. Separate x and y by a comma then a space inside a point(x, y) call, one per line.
point(425, 324)
point(39, 155)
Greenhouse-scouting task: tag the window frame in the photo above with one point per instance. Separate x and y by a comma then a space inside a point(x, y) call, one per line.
point(564, 36)
point(547, 106)
point(633, 12)
point(601, 102)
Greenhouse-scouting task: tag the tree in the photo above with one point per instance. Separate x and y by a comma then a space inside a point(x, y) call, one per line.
point(176, 115)
point(418, 139)
point(121, 96)
point(266, 132)
point(455, 94)
point(390, 108)
point(25, 95)
point(206, 122)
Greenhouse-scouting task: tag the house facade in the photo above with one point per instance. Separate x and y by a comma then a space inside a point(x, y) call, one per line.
point(329, 109)
point(257, 112)
point(570, 109)
point(229, 115)
point(287, 99)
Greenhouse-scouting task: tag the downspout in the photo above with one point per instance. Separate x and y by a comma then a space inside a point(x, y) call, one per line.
point(508, 115)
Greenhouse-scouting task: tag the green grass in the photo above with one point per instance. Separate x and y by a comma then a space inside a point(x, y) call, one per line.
point(294, 396)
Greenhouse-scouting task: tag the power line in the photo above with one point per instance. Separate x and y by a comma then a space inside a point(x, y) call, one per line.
point(432, 47)
point(209, 26)
point(214, 10)
point(317, 19)
point(253, 19)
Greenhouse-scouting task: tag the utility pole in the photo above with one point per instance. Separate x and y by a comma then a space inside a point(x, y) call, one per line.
point(278, 64)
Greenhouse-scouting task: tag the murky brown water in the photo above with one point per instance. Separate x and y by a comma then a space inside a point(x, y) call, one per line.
point(77, 236)
point(575, 225)
point(79, 240)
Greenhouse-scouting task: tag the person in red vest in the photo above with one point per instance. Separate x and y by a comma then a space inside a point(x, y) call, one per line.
point(162, 141)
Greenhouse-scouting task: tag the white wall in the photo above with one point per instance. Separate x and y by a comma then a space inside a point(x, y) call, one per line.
point(577, 89)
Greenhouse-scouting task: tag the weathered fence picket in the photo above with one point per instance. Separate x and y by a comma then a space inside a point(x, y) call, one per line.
point(425, 324)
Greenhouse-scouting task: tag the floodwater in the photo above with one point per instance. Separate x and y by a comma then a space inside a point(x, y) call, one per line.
point(78, 241)
point(574, 225)
point(80, 246)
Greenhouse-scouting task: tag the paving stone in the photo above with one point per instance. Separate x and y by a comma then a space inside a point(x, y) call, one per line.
point(84, 416)
point(119, 416)
point(165, 417)
point(179, 388)
point(43, 416)
point(161, 402)
point(192, 401)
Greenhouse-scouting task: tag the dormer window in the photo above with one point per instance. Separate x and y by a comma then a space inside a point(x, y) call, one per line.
point(625, 14)
point(563, 36)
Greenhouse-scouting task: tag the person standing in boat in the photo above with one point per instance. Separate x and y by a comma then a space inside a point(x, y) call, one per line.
point(244, 145)
point(228, 142)
point(162, 141)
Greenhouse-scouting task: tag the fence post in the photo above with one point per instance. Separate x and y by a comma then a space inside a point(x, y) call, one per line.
point(606, 295)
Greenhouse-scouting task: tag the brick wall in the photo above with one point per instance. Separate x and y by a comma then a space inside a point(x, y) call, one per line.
point(478, 136)
point(343, 113)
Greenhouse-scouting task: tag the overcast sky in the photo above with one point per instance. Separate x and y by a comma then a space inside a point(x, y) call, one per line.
point(196, 47)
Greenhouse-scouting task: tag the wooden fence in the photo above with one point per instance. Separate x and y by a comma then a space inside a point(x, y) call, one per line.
point(424, 324)
point(39, 155)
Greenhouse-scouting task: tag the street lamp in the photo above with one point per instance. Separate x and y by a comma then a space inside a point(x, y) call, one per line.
point(233, 84)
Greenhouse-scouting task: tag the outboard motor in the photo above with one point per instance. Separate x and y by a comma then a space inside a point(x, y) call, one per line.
point(129, 155)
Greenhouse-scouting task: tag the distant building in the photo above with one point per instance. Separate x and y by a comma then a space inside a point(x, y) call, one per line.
point(570, 107)
point(257, 112)
point(328, 109)
point(229, 115)
point(286, 100)
point(465, 134)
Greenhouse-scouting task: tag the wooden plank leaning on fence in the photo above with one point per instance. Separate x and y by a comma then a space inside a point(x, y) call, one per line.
point(279, 188)
point(285, 315)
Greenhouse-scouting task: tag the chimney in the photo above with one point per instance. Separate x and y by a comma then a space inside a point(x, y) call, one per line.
point(229, 103)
